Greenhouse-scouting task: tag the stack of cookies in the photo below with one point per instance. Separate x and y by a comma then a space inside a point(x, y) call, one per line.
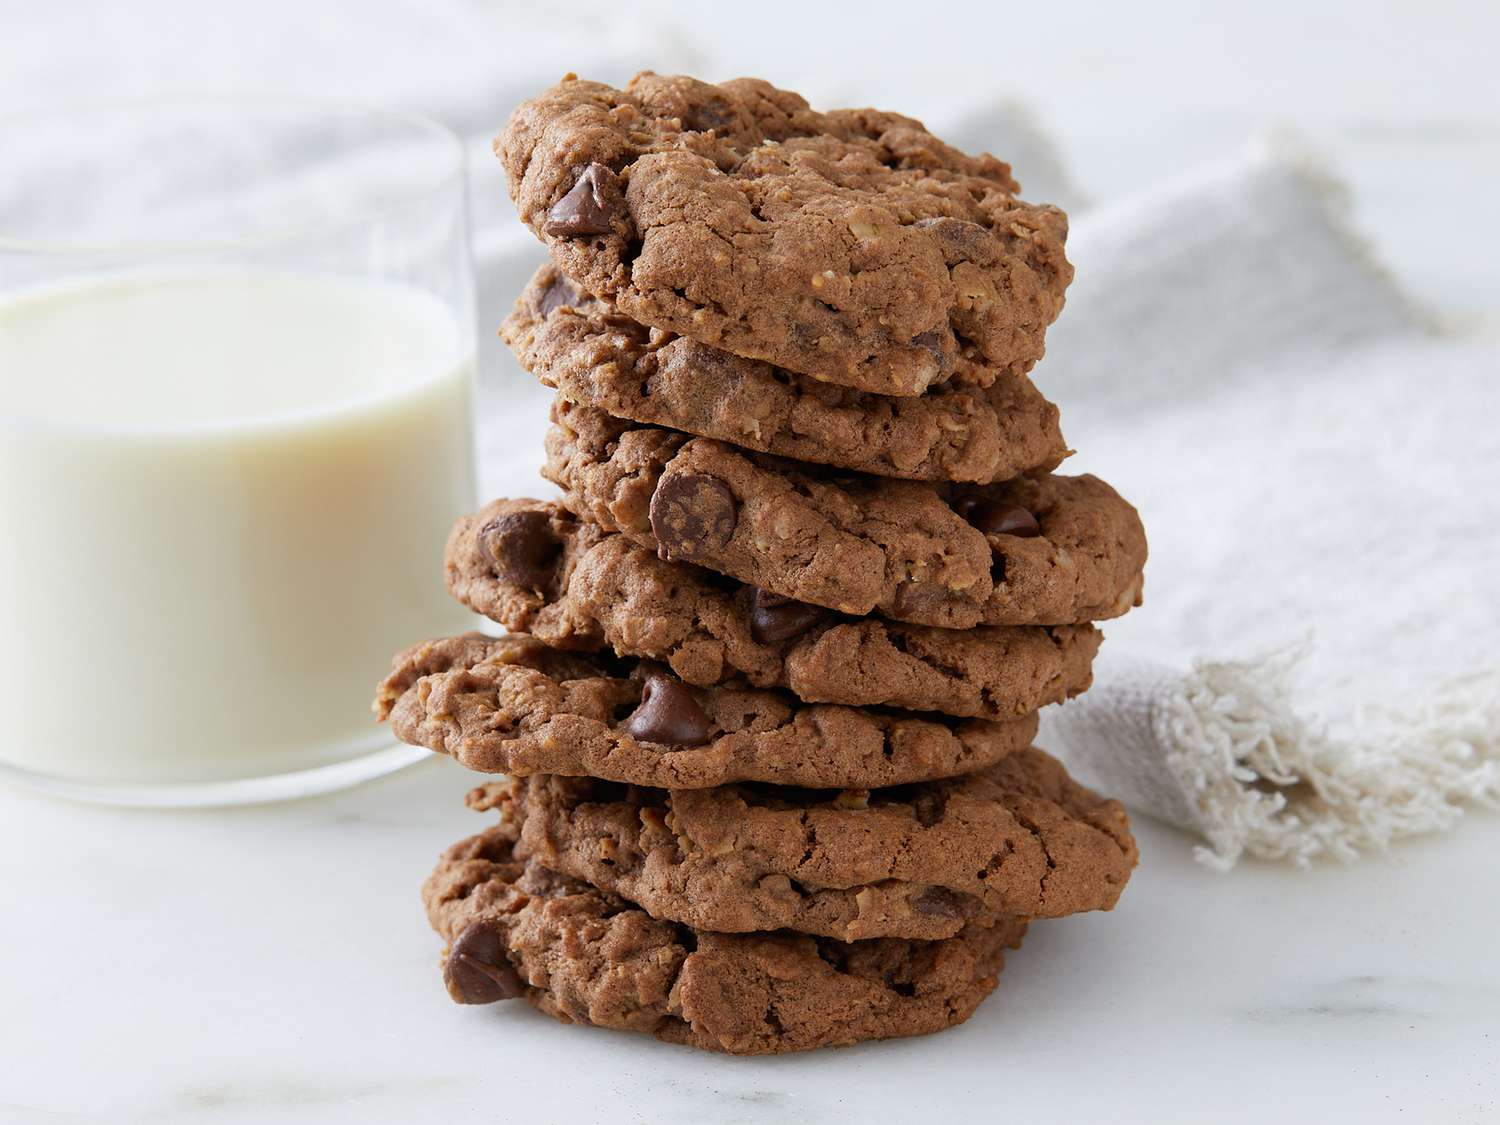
point(773, 664)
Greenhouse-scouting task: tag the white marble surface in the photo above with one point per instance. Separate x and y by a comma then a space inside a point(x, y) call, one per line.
point(271, 964)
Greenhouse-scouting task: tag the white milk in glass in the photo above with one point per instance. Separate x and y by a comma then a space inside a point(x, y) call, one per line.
point(223, 502)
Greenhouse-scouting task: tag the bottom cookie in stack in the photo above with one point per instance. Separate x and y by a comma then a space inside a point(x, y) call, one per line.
point(514, 928)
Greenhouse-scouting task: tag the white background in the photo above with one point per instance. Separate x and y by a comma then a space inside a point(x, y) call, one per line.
point(272, 964)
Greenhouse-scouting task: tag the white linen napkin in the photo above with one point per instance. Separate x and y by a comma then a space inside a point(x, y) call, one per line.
point(1316, 670)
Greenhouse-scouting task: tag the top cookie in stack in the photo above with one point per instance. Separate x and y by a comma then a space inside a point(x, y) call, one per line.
point(851, 246)
point(777, 653)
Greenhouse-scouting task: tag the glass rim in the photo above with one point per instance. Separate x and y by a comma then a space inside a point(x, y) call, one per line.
point(452, 172)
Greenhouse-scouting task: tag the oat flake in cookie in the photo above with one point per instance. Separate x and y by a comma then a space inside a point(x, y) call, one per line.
point(599, 590)
point(597, 356)
point(1019, 838)
point(512, 705)
point(582, 955)
point(852, 246)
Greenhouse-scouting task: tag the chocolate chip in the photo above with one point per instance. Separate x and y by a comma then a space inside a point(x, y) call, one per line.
point(556, 295)
point(522, 547)
point(929, 808)
point(668, 713)
point(932, 342)
point(692, 514)
point(774, 618)
point(961, 240)
point(994, 517)
point(586, 209)
point(710, 115)
point(939, 902)
point(477, 970)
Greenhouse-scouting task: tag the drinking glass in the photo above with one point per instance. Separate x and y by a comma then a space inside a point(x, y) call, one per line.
point(236, 384)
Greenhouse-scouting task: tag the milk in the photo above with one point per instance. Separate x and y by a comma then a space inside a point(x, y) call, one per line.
point(223, 501)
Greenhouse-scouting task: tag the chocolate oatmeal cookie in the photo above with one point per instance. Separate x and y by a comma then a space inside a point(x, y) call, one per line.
point(513, 705)
point(1018, 838)
point(533, 567)
point(1047, 550)
point(597, 356)
point(515, 929)
point(852, 246)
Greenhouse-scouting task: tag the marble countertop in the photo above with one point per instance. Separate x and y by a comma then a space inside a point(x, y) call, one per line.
point(272, 964)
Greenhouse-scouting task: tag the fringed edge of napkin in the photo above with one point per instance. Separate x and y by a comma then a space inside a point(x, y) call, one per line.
point(1263, 780)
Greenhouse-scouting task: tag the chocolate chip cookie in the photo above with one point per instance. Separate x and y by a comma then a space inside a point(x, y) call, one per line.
point(1047, 550)
point(597, 356)
point(582, 955)
point(1018, 838)
point(852, 246)
point(533, 567)
point(512, 705)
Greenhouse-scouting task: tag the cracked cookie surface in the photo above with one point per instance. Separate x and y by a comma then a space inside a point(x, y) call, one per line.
point(852, 246)
point(1018, 838)
point(513, 705)
point(597, 356)
point(515, 929)
point(853, 543)
point(589, 589)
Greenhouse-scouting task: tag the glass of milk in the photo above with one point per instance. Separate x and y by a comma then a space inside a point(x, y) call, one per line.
point(236, 377)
